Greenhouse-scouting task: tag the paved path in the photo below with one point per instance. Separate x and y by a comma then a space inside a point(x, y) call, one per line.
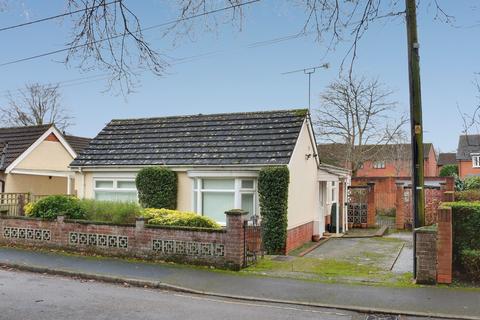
point(404, 261)
point(425, 300)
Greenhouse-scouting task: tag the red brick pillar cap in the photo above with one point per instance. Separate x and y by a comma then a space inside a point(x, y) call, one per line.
point(236, 212)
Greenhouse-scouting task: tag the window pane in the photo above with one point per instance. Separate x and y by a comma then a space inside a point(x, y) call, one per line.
point(105, 195)
point(127, 196)
point(216, 203)
point(247, 184)
point(104, 184)
point(223, 184)
point(248, 204)
point(126, 185)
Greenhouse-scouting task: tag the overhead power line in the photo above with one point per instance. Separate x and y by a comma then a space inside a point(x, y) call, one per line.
point(55, 16)
point(121, 35)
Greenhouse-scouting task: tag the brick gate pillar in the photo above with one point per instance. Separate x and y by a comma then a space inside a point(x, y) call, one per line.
point(371, 206)
point(399, 207)
point(444, 246)
point(235, 244)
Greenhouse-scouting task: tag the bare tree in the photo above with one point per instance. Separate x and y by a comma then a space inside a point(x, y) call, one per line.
point(108, 34)
point(399, 152)
point(35, 105)
point(357, 112)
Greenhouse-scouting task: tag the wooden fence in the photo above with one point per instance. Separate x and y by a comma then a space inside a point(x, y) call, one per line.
point(12, 203)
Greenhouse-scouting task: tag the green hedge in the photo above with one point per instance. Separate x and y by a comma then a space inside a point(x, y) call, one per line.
point(157, 188)
point(273, 194)
point(471, 183)
point(168, 217)
point(466, 227)
point(52, 206)
point(470, 260)
point(449, 170)
point(467, 195)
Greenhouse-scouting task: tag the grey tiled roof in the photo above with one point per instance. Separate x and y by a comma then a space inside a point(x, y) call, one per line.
point(78, 144)
point(14, 141)
point(336, 153)
point(251, 138)
point(468, 144)
point(446, 158)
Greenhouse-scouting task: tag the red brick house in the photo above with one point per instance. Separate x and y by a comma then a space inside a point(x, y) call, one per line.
point(384, 165)
point(468, 155)
point(392, 160)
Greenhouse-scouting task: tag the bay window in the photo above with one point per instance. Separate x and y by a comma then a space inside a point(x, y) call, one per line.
point(110, 189)
point(213, 196)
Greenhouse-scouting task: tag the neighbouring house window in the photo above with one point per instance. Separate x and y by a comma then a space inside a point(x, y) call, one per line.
point(476, 161)
point(379, 164)
point(115, 190)
point(213, 196)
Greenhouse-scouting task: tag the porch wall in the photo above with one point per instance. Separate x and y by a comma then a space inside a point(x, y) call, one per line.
point(40, 185)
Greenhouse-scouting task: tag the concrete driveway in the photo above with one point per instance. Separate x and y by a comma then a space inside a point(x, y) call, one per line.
point(389, 253)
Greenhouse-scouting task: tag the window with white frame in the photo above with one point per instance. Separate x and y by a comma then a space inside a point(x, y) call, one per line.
point(333, 190)
point(213, 196)
point(379, 164)
point(476, 160)
point(110, 189)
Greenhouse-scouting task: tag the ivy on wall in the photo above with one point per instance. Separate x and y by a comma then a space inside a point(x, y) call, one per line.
point(273, 194)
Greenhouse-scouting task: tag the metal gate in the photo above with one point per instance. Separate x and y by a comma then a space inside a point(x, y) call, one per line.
point(357, 205)
point(253, 240)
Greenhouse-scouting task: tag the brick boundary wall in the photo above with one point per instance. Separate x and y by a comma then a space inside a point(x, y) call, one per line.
point(223, 248)
point(426, 255)
point(444, 246)
point(298, 236)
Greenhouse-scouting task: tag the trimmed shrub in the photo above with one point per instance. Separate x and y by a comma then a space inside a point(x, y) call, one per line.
point(157, 188)
point(471, 183)
point(466, 226)
point(449, 170)
point(168, 217)
point(273, 194)
point(467, 195)
point(470, 260)
point(110, 211)
point(52, 206)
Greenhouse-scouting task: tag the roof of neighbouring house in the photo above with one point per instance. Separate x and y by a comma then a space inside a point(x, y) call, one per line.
point(447, 158)
point(15, 140)
point(78, 144)
point(468, 145)
point(336, 153)
point(248, 138)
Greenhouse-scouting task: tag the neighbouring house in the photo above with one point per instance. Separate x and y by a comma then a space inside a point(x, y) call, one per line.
point(446, 158)
point(217, 159)
point(385, 166)
point(468, 155)
point(391, 160)
point(35, 159)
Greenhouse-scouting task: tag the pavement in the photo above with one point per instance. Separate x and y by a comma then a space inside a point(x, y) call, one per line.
point(420, 301)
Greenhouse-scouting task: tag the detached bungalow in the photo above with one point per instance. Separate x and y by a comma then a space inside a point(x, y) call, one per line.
point(35, 159)
point(217, 158)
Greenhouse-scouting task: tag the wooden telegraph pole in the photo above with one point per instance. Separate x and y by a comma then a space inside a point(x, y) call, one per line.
point(415, 115)
point(418, 192)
